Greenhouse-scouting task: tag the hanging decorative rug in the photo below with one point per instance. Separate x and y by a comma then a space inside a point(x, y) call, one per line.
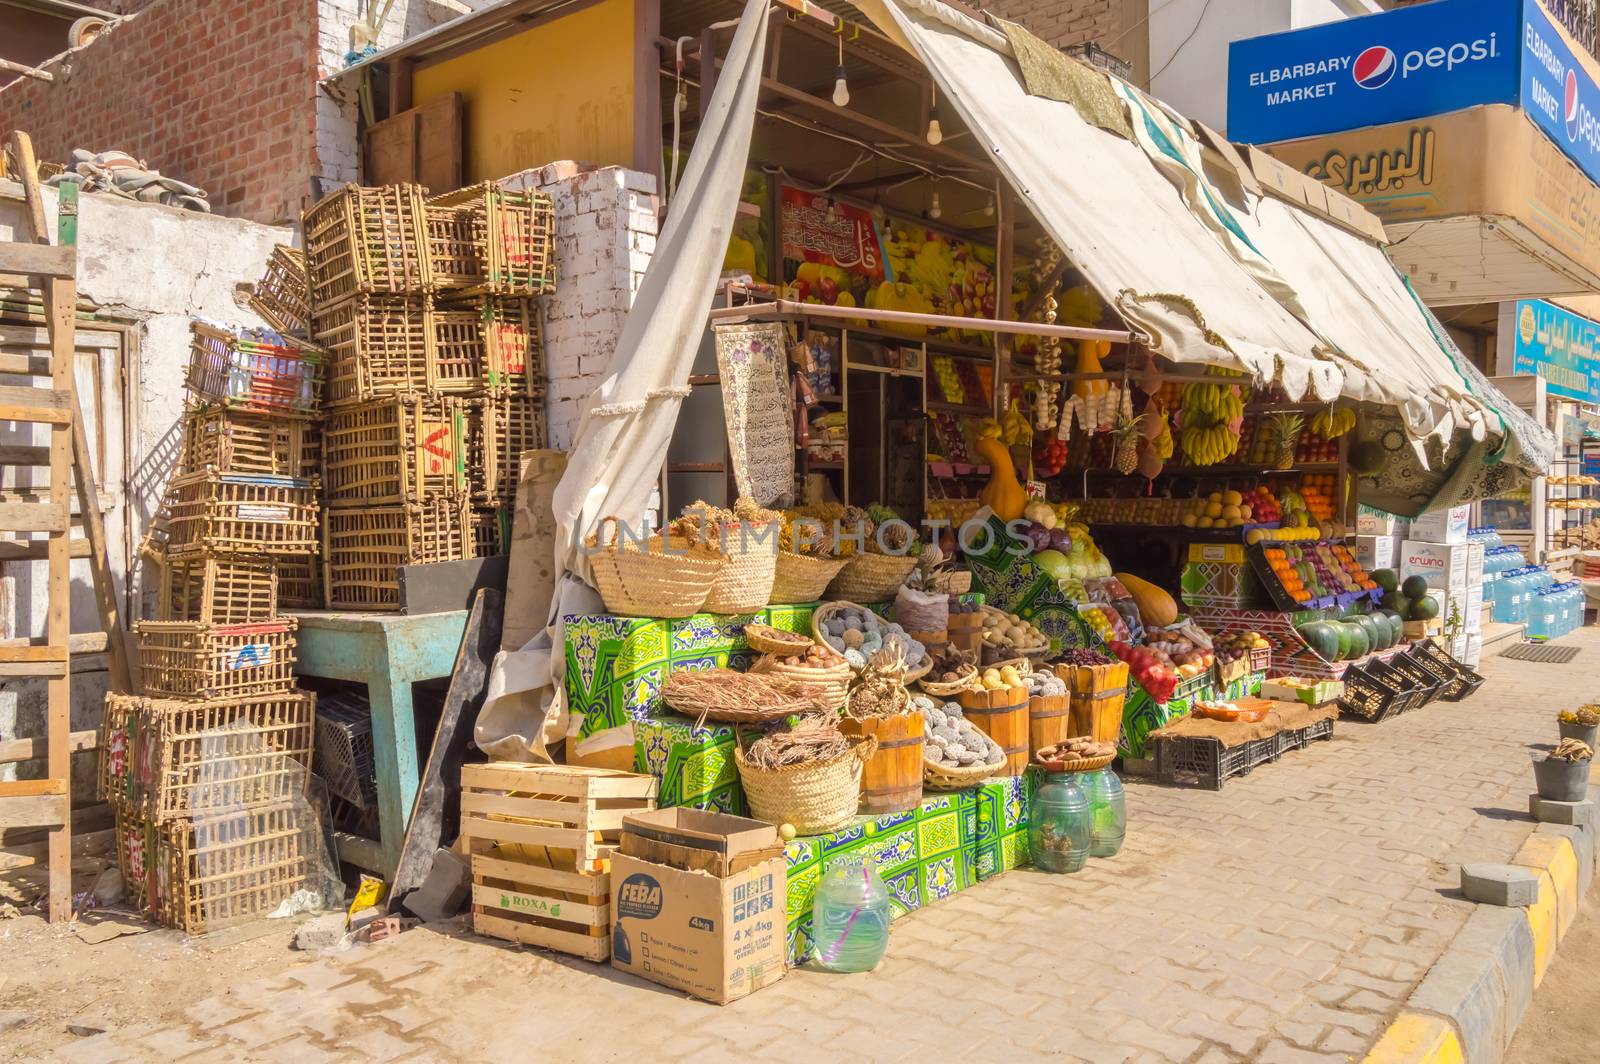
point(751, 360)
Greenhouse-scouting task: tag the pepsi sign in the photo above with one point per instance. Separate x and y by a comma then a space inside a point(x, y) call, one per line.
point(1558, 94)
point(1375, 67)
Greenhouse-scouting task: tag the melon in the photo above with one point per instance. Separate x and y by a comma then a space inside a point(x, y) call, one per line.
point(1360, 645)
point(1377, 632)
point(1395, 618)
point(1322, 638)
point(1425, 608)
point(1157, 609)
point(1390, 629)
point(1387, 579)
point(1395, 602)
point(1346, 640)
point(1414, 587)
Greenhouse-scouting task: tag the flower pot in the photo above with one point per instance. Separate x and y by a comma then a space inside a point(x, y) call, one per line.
point(1562, 781)
point(1588, 733)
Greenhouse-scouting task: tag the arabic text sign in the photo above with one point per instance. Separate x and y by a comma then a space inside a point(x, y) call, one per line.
point(1559, 346)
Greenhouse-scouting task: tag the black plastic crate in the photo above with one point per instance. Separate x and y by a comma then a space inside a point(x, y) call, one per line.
point(1205, 762)
point(1371, 693)
point(1463, 679)
point(1425, 684)
point(343, 754)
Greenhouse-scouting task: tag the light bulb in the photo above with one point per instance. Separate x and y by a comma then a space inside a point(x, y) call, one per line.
point(833, 213)
point(988, 208)
point(841, 88)
point(935, 134)
point(878, 213)
point(934, 210)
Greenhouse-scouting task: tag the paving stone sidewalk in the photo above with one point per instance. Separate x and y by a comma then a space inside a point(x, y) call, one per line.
point(1285, 918)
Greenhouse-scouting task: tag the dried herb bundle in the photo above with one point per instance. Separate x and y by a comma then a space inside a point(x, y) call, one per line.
point(812, 738)
point(722, 694)
point(880, 691)
point(1572, 750)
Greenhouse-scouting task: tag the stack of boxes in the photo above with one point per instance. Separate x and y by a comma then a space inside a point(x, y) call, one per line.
point(1438, 549)
point(427, 310)
point(207, 769)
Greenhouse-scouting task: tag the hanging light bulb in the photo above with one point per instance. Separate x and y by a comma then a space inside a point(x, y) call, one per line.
point(841, 88)
point(935, 134)
point(934, 210)
point(988, 208)
point(879, 215)
point(833, 211)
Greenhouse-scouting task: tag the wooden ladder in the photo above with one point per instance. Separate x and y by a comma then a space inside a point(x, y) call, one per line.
point(47, 803)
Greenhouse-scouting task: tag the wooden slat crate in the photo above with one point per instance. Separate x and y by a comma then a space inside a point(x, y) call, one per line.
point(377, 346)
point(241, 369)
point(495, 343)
point(166, 758)
point(540, 839)
point(491, 531)
point(459, 363)
point(394, 450)
point(238, 441)
point(364, 546)
point(300, 582)
point(183, 659)
point(282, 296)
point(499, 429)
point(518, 235)
point(242, 514)
point(362, 240)
point(457, 246)
point(200, 586)
point(203, 874)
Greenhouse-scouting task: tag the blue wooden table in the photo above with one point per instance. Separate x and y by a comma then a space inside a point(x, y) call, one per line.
point(388, 652)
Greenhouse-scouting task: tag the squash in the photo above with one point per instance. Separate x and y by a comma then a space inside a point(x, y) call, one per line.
point(1157, 609)
point(1089, 354)
point(1004, 494)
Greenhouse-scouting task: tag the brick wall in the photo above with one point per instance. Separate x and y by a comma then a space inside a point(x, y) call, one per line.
point(217, 93)
point(605, 235)
point(1118, 26)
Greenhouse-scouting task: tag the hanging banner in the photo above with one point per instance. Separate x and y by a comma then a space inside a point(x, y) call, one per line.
point(1559, 346)
point(830, 248)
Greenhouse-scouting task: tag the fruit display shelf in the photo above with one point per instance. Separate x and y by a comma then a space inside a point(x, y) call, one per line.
point(1311, 575)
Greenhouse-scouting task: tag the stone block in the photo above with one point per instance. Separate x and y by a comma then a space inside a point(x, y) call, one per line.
point(1496, 884)
point(444, 889)
point(1582, 840)
point(1482, 983)
point(1548, 811)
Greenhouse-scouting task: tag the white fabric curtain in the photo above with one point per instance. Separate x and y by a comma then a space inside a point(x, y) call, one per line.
point(622, 439)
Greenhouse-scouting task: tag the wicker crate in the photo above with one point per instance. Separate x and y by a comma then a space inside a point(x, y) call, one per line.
point(238, 441)
point(365, 240)
point(364, 547)
point(378, 346)
point(165, 758)
point(490, 532)
point(502, 340)
point(499, 429)
point(300, 582)
point(281, 297)
point(248, 514)
point(456, 245)
point(217, 589)
point(248, 369)
point(459, 363)
point(187, 659)
point(394, 450)
point(204, 874)
point(516, 231)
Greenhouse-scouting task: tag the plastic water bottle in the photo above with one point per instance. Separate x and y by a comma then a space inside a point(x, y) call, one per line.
point(1060, 832)
point(1541, 614)
point(1108, 812)
point(850, 917)
point(1506, 591)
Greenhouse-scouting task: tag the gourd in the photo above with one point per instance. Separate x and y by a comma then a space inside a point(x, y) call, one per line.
point(1157, 609)
point(1090, 352)
point(1003, 494)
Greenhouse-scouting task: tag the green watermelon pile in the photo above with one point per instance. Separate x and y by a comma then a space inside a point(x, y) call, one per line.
point(1409, 599)
point(1353, 637)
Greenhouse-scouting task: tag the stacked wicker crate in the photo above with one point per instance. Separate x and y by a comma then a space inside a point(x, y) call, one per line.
point(427, 310)
point(207, 769)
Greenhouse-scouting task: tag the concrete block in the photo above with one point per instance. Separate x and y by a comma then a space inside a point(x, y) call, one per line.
point(1582, 841)
point(1547, 811)
point(1555, 857)
point(443, 891)
point(320, 932)
point(1496, 884)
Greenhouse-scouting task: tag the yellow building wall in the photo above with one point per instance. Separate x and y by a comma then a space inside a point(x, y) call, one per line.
point(562, 90)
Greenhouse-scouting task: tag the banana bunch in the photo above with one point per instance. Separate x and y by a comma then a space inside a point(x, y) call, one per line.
point(1331, 424)
point(1208, 446)
point(1209, 422)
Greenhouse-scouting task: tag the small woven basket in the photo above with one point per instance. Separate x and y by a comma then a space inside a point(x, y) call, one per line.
point(1076, 764)
point(871, 577)
point(833, 682)
point(644, 580)
point(798, 578)
point(938, 777)
point(765, 639)
point(970, 681)
point(744, 584)
point(816, 797)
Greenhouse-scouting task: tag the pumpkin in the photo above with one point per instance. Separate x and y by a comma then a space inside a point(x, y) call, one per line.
point(1003, 494)
point(1157, 609)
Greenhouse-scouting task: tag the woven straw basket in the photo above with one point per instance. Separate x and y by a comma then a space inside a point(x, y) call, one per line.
point(644, 580)
point(871, 577)
point(816, 797)
point(833, 681)
point(745, 583)
point(950, 581)
point(802, 579)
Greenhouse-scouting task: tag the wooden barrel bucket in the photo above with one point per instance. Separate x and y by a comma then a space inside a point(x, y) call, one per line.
point(1049, 721)
point(891, 780)
point(1098, 694)
point(966, 632)
point(1002, 716)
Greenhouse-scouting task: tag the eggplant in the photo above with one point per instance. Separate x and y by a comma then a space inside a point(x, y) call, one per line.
point(1038, 537)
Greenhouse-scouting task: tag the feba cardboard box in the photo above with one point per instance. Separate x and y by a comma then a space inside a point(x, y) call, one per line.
point(1378, 552)
point(676, 921)
point(1447, 566)
point(1448, 525)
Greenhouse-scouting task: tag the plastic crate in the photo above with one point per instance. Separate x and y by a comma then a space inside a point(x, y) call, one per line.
point(1368, 696)
point(181, 659)
point(1205, 762)
point(282, 297)
point(217, 589)
point(362, 240)
point(241, 514)
point(393, 450)
point(253, 369)
point(344, 749)
point(377, 346)
point(364, 547)
point(1426, 684)
point(1461, 680)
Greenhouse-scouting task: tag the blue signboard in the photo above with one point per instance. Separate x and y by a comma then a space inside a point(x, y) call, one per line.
point(1369, 71)
point(1559, 346)
point(1412, 63)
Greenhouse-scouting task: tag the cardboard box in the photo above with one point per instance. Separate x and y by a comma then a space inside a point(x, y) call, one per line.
point(1444, 566)
point(1311, 692)
point(1375, 522)
point(1458, 648)
point(1474, 652)
point(1472, 609)
point(717, 937)
point(1475, 554)
point(1439, 526)
point(1378, 552)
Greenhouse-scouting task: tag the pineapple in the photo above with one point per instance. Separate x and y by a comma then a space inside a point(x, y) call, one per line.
point(1126, 431)
point(1286, 430)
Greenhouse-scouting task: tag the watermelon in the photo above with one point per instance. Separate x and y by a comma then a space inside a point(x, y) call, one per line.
point(1395, 602)
point(1386, 579)
point(1322, 638)
point(1414, 587)
point(1360, 645)
point(1377, 632)
point(1396, 619)
point(1391, 629)
point(1345, 639)
point(1424, 609)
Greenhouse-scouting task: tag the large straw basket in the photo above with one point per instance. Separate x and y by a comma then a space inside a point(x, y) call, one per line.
point(833, 681)
point(950, 581)
point(657, 578)
point(816, 797)
point(871, 577)
point(745, 581)
point(798, 578)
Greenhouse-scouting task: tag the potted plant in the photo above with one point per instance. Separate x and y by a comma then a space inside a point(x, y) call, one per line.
point(1581, 724)
point(1563, 776)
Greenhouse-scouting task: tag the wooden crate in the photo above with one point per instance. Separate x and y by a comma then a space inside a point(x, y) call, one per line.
point(489, 346)
point(300, 582)
point(490, 532)
point(363, 547)
point(242, 514)
point(365, 240)
point(377, 346)
point(184, 659)
point(246, 369)
point(217, 589)
point(459, 362)
point(540, 839)
point(282, 296)
point(167, 758)
point(516, 231)
point(499, 429)
point(212, 872)
point(239, 441)
point(457, 245)
point(394, 450)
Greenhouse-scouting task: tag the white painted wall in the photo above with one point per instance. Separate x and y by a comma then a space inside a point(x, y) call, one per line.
point(1189, 44)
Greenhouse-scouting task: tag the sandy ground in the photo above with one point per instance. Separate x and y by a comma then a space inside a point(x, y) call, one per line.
point(1563, 1024)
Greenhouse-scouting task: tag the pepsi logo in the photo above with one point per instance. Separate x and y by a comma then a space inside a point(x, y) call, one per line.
point(1570, 108)
point(1374, 68)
